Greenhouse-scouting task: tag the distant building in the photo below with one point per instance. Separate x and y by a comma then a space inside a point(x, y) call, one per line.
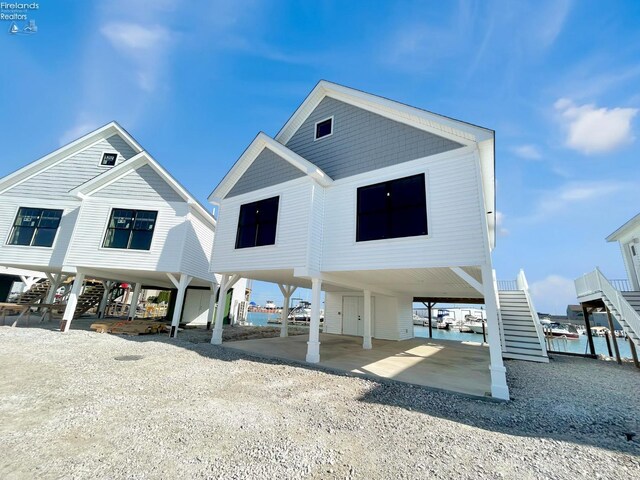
point(596, 319)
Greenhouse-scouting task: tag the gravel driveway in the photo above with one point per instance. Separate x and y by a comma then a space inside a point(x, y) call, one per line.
point(87, 405)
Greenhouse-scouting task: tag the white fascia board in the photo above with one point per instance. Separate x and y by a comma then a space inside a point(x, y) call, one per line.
point(256, 147)
point(66, 151)
point(452, 129)
point(486, 153)
point(625, 229)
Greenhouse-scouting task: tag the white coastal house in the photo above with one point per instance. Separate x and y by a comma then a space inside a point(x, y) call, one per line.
point(102, 208)
point(374, 202)
point(619, 298)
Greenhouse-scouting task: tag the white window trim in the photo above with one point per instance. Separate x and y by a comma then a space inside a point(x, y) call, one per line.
point(315, 128)
point(100, 164)
point(271, 245)
point(134, 250)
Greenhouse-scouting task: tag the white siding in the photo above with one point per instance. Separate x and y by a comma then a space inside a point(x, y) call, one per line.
point(142, 182)
point(290, 249)
point(316, 219)
point(386, 318)
point(36, 256)
point(56, 181)
point(454, 213)
point(332, 313)
point(196, 255)
point(405, 317)
point(166, 247)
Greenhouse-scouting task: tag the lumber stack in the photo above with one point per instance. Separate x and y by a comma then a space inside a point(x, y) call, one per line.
point(129, 327)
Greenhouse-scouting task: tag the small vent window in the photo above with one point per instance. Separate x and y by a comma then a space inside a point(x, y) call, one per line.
point(109, 159)
point(324, 128)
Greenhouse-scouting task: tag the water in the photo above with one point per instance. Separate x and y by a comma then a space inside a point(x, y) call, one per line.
point(572, 346)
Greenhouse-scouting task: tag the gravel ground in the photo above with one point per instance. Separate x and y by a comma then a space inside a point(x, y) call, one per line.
point(87, 405)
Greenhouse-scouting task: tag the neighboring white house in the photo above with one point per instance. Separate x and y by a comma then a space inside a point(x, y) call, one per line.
point(619, 297)
point(374, 202)
point(102, 208)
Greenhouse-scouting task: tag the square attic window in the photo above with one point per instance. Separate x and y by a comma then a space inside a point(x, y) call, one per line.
point(109, 159)
point(324, 128)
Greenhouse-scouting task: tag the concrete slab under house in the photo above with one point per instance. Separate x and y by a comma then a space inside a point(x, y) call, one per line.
point(98, 213)
point(353, 197)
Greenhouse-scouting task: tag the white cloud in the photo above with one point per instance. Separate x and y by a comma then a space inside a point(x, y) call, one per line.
point(551, 21)
point(595, 130)
point(553, 293)
point(503, 232)
point(131, 36)
point(78, 130)
point(530, 152)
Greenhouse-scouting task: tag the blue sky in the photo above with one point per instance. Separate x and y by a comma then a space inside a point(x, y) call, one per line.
point(195, 81)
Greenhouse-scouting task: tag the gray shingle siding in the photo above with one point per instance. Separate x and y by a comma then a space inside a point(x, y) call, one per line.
point(362, 141)
point(57, 181)
point(266, 170)
point(141, 184)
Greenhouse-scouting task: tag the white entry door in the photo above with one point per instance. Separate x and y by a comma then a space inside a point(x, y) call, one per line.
point(196, 306)
point(353, 316)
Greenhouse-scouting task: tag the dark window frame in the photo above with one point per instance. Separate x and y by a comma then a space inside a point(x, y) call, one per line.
point(136, 221)
point(37, 229)
point(254, 229)
point(319, 124)
point(105, 164)
point(392, 209)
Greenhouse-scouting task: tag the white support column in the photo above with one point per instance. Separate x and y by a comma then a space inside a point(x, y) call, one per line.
point(133, 306)
point(313, 345)
point(54, 281)
point(227, 282)
point(27, 282)
point(105, 298)
point(287, 291)
point(212, 304)
point(499, 388)
point(177, 310)
point(72, 302)
point(366, 339)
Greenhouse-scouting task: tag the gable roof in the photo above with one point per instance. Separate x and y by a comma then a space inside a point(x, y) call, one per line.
point(66, 151)
point(625, 229)
point(252, 152)
point(143, 158)
point(456, 130)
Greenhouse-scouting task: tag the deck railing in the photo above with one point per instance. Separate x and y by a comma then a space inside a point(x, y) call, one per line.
point(621, 284)
point(507, 285)
point(596, 282)
point(522, 284)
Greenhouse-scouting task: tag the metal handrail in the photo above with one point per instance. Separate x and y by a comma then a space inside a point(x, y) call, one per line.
point(523, 285)
point(596, 282)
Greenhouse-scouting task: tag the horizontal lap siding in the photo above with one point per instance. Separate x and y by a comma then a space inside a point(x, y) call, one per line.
point(58, 180)
point(166, 248)
point(46, 257)
point(290, 249)
point(144, 184)
point(405, 318)
point(454, 218)
point(385, 321)
point(332, 310)
point(316, 228)
point(196, 255)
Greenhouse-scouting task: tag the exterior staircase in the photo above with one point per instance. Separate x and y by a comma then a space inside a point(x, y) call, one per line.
point(35, 294)
point(521, 333)
point(624, 306)
point(90, 298)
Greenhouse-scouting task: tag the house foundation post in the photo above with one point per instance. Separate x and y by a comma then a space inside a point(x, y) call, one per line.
point(212, 304)
point(133, 306)
point(313, 345)
point(105, 298)
point(613, 336)
point(366, 338)
point(72, 303)
point(287, 291)
point(177, 311)
point(585, 312)
point(227, 282)
point(499, 388)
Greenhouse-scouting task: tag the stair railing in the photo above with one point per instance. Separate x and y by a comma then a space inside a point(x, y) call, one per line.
point(498, 311)
point(521, 281)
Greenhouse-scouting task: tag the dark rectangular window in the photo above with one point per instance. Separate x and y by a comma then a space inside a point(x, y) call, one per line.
point(257, 223)
point(324, 128)
point(393, 209)
point(109, 159)
point(130, 229)
point(35, 227)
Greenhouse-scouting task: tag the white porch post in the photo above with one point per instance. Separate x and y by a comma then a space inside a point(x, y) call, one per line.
point(27, 282)
point(72, 302)
point(134, 301)
point(212, 304)
point(499, 388)
point(105, 298)
point(366, 339)
point(313, 345)
point(177, 310)
point(287, 291)
point(54, 280)
point(227, 282)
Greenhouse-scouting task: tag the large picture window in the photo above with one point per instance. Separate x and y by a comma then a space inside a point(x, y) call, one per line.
point(35, 227)
point(393, 209)
point(257, 223)
point(130, 229)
